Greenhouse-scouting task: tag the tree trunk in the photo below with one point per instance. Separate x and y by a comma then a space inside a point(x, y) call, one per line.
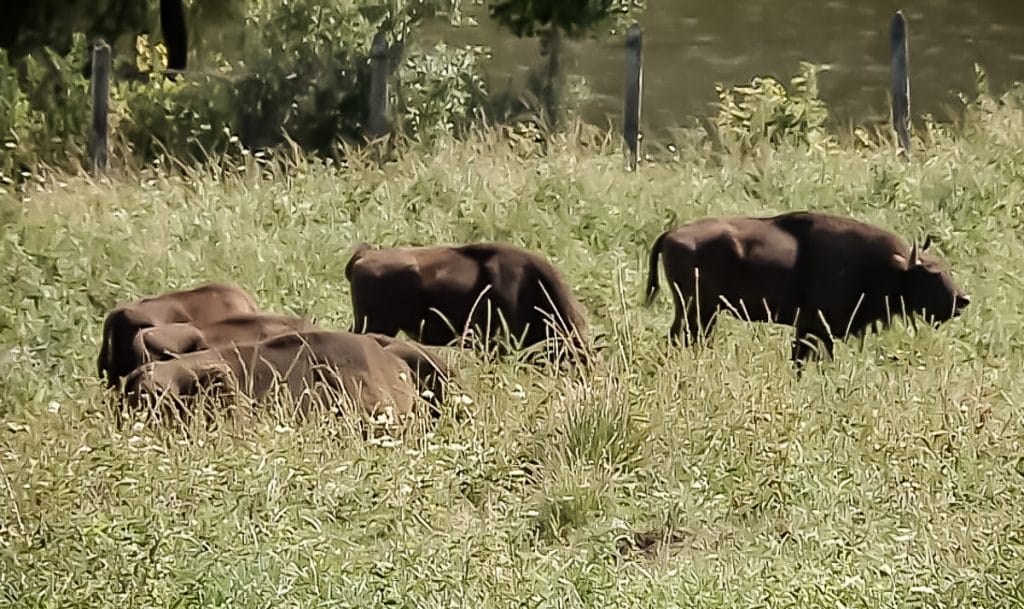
point(552, 44)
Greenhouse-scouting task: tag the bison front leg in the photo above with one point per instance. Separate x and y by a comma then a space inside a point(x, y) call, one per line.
point(811, 345)
point(359, 320)
point(362, 324)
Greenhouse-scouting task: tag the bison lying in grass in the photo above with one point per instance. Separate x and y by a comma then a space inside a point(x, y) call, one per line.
point(313, 368)
point(169, 341)
point(202, 305)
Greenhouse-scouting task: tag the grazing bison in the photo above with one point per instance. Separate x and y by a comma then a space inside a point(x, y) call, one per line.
point(202, 305)
point(825, 275)
point(313, 367)
point(434, 294)
point(430, 371)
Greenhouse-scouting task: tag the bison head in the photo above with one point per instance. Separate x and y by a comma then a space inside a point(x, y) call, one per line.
point(167, 341)
point(929, 289)
point(151, 383)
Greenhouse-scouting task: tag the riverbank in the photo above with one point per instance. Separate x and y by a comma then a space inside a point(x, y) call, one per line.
point(691, 47)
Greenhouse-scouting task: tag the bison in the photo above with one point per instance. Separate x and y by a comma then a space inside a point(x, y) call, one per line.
point(828, 276)
point(312, 367)
point(202, 305)
point(430, 371)
point(168, 341)
point(435, 294)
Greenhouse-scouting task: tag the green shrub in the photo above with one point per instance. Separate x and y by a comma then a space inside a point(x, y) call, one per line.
point(45, 114)
point(300, 71)
point(190, 119)
point(442, 89)
point(764, 111)
point(15, 113)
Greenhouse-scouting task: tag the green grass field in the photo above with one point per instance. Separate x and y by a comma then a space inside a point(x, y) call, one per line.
point(891, 477)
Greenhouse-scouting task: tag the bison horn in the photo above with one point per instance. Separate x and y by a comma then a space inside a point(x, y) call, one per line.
point(927, 242)
point(913, 257)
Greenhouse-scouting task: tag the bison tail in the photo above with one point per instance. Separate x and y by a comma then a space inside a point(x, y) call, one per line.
point(103, 364)
point(652, 270)
point(357, 253)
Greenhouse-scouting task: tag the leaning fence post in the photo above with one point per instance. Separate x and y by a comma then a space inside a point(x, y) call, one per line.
point(900, 83)
point(634, 91)
point(377, 124)
point(100, 86)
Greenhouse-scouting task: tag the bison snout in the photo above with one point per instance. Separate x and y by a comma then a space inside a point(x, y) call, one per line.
point(146, 392)
point(960, 303)
point(141, 387)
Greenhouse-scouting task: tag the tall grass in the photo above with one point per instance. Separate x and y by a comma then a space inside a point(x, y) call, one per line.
point(891, 477)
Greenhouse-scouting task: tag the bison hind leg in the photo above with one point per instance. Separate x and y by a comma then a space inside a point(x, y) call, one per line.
point(700, 323)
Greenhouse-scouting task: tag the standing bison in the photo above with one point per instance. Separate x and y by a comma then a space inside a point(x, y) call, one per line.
point(202, 305)
point(434, 294)
point(825, 275)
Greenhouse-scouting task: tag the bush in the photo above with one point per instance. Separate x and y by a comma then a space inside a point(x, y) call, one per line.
point(764, 111)
point(189, 119)
point(47, 119)
point(15, 116)
point(301, 71)
point(442, 89)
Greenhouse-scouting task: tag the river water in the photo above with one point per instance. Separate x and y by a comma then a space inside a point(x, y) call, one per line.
point(689, 45)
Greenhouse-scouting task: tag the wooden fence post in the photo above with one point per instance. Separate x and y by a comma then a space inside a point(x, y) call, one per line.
point(551, 43)
point(634, 92)
point(900, 83)
point(100, 86)
point(377, 124)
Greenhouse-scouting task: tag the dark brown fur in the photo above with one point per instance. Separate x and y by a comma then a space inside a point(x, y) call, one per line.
point(168, 341)
point(430, 371)
point(202, 305)
point(434, 294)
point(827, 276)
point(311, 365)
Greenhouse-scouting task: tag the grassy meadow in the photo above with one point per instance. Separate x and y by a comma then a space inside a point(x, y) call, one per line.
point(715, 477)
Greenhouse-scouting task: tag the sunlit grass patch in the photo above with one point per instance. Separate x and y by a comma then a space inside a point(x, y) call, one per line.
point(712, 476)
